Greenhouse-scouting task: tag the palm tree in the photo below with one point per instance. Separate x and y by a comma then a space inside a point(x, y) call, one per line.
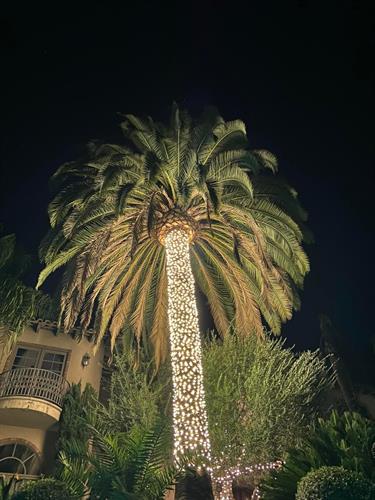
point(18, 303)
point(138, 225)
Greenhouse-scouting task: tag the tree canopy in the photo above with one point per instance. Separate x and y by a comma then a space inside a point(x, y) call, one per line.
point(261, 397)
point(18, 303)
point(113, 204)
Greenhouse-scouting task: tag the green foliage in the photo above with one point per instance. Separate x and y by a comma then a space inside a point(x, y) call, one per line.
point(121, 466)
point(340, 440)
point(334, 483)
point(7, 486)
point(112, 203)
point(137, 397)
point(18, 303)
point(44, 489)
point(75, 418)
point(260, 397)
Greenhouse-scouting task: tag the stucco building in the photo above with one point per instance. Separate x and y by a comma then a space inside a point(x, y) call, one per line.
point(34, 377)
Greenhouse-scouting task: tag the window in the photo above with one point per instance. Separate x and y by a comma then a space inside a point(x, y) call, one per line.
point(17, 458)
point(27, 357)
point(53, 361)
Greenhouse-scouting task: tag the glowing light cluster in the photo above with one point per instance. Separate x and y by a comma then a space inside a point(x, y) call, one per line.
point(190, 426)
point(224, 482)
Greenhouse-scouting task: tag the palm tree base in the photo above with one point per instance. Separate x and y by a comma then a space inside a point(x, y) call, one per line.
point(194, 486)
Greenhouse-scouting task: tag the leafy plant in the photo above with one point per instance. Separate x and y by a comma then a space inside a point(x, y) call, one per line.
point(334, 483)
point(7, 487)
point(261, 397)
point(115, 203)
point(341, 440)
point(121, 466)
point(75, 418)
point(137, 397)
point(44, 489)
point(18, 302)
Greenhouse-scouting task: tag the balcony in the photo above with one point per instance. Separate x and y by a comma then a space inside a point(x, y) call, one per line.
point(31, 397)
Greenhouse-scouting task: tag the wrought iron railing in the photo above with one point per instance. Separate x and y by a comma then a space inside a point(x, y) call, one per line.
point(33, 382)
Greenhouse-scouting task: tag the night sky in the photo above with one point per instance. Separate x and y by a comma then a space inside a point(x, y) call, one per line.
point(299, 73)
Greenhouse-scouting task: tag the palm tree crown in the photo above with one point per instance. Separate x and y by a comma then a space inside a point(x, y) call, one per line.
point(117, 203)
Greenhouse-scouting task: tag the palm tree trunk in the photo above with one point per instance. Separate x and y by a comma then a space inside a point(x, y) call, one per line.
point(190, 426)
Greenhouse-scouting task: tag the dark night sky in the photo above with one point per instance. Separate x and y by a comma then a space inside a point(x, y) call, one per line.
point(299, 73)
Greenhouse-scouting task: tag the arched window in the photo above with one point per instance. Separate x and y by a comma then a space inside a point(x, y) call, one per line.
point(18, 458)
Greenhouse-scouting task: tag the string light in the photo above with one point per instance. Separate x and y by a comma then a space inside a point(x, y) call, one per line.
point(190, 426)
point(223, 481)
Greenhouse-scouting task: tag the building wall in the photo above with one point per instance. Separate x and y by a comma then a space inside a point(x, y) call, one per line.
point(74, 371)
point(41, 441)
point(39, 437)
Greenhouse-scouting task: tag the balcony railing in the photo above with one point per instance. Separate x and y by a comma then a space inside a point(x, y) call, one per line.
point(35, 383)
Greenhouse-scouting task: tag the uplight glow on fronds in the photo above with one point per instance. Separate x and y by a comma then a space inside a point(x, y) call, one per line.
point(112, 209)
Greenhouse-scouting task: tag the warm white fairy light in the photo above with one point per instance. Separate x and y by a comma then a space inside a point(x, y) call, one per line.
point(190, 426)
point(224, 480)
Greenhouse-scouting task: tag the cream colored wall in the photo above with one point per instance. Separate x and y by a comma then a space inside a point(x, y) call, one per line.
point(74, 371)
point(43, 442)
point(34, 436)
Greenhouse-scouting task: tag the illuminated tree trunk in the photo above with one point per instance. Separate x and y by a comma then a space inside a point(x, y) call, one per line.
point(190, 427)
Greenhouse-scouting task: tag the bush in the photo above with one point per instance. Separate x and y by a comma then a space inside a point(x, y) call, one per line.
point(75, 416)
point(44, 489)
point(7, 487)
point(137, 397)
point(121, 465)
point(261, 397)
point(75, 413)
point(340, 440)
point(334, 483)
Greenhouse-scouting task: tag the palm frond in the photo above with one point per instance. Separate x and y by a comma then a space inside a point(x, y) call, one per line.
point(247, 251)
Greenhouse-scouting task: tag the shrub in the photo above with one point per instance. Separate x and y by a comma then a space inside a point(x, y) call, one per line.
point(261, 397)
point(44, 489)
point(75, 406)
point(121, 466)
point(137, 397)
point(75, 417)
point(7, 487)
point(340, 440)
point(334, 483)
